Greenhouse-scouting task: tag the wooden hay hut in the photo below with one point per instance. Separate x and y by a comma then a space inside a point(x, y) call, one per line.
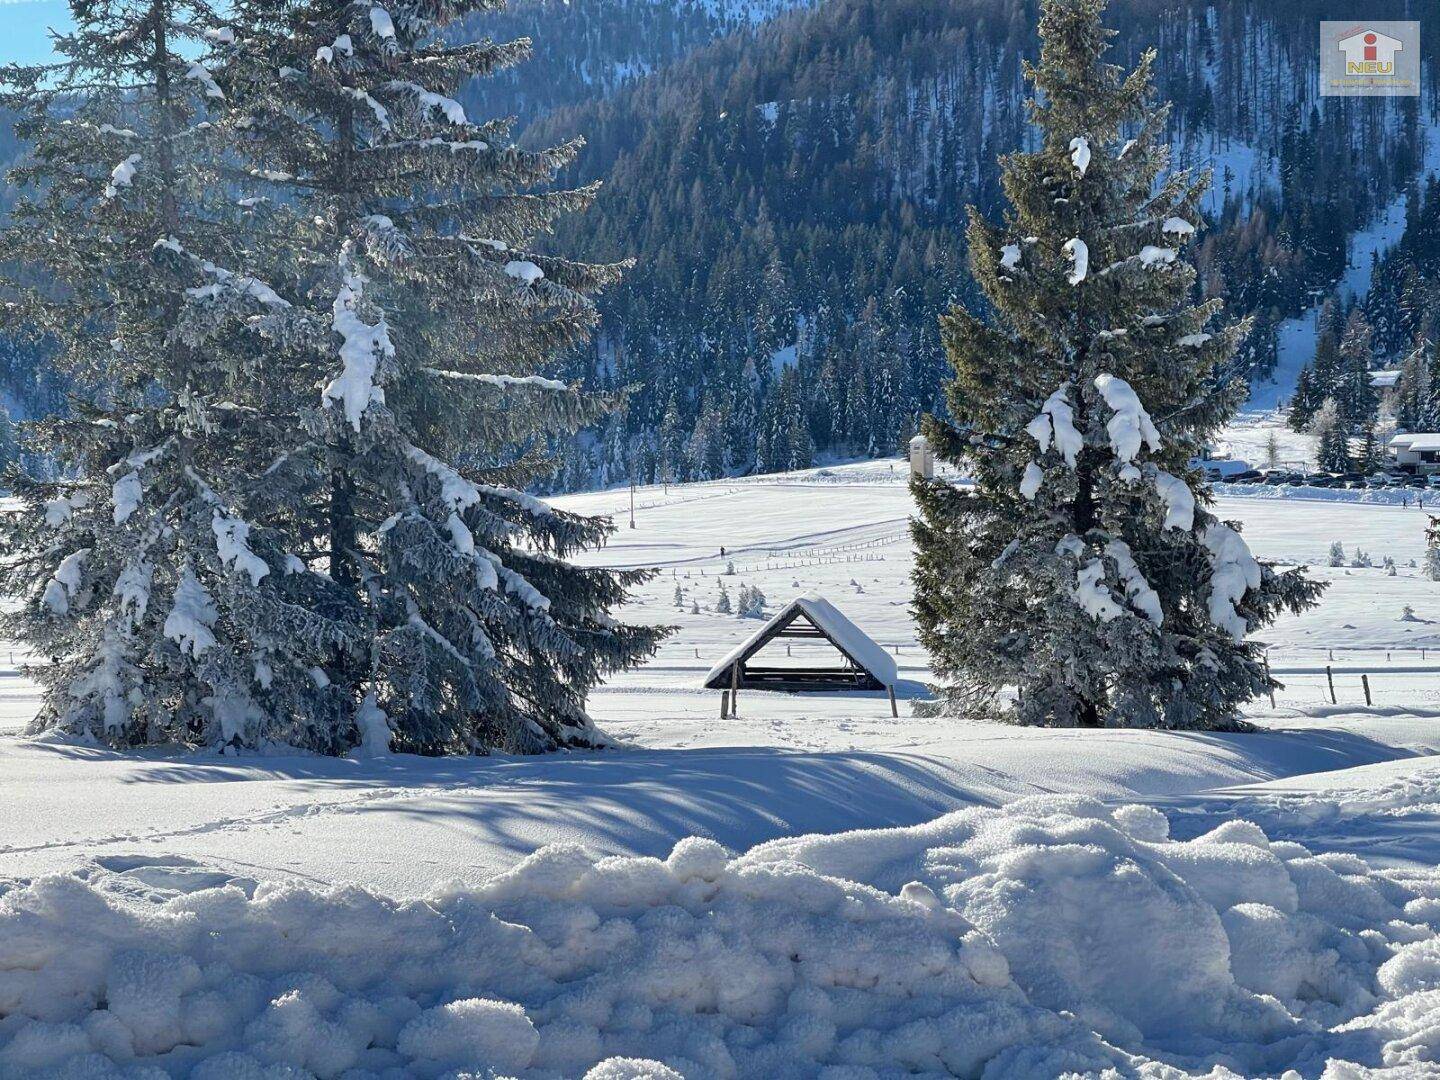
point(863, 664)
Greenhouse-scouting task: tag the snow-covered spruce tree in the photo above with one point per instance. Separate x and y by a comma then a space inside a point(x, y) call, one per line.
point(397, 230)
point(1082, 567)
point(167, 615)
point(1332, 441)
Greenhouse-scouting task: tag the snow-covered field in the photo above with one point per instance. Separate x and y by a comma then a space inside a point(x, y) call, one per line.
point(1017, 903)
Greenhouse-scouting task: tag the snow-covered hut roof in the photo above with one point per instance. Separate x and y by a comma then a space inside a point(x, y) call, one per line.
point(1383, 379)
point(1422, 442)
point(1404, 440)
point(843, 634)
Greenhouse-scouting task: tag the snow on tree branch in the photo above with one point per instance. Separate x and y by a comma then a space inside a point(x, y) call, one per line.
point(1131, 425)
point(1056, 422)
point(1179, 501)
point(1138, 592)
point(226, 281)
point(381, 23)
point(125, 495)
point(1233, 572)
point(1092, 594)
point(448, 107)
point(502, 382)
point(192, 616)
point(1031, 481)
point(232, 543)
point(198, 73)
point(65, 583)
point(122, 176)
point(1079, 254)
point(363, 347)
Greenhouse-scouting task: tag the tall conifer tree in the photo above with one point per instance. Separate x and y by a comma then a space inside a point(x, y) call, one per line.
point(399, 235)
point(1084, 566)
point(167, 613)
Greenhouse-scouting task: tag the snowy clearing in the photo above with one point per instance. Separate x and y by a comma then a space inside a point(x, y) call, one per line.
point(1274, 903)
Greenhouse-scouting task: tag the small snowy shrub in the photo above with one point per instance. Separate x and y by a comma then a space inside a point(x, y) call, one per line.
point(1337, 554)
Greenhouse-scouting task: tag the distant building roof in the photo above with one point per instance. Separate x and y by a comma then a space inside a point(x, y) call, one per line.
point(1426, 441)
point(1383, 379)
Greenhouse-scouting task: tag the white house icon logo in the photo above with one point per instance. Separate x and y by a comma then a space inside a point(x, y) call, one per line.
point(1368, 52)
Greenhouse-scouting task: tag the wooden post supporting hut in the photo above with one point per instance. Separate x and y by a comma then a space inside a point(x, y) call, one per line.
point(863, 664)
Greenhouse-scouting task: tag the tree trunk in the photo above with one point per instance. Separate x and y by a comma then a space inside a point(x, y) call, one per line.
point(343, 570)
point(342, 527)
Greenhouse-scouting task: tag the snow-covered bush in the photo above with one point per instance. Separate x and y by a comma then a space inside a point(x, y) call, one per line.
point(1337, 553)
point(1362, 559)
point(722, 602)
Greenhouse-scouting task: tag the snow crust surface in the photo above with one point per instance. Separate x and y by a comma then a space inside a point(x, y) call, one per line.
point(1052, 935)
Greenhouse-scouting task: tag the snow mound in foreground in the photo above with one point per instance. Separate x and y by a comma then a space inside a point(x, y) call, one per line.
point(1051, 936)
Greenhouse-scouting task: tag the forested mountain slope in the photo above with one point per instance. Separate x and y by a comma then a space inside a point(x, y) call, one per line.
point(796, 195)
point(588, 48)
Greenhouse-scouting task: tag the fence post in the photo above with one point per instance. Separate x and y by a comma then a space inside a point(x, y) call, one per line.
point(894, 709)
point(1330, 678)
point(724, 704)
point(1268, 684)
point(1365, 682)
point(735, 688)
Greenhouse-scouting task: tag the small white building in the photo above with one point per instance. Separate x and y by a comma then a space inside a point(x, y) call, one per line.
point(922, 458)
point(1418, 451)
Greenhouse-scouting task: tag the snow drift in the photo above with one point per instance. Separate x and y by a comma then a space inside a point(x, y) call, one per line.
point(1054, 935)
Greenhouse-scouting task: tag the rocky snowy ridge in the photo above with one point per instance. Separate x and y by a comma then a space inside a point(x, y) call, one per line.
point(1051, 936)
